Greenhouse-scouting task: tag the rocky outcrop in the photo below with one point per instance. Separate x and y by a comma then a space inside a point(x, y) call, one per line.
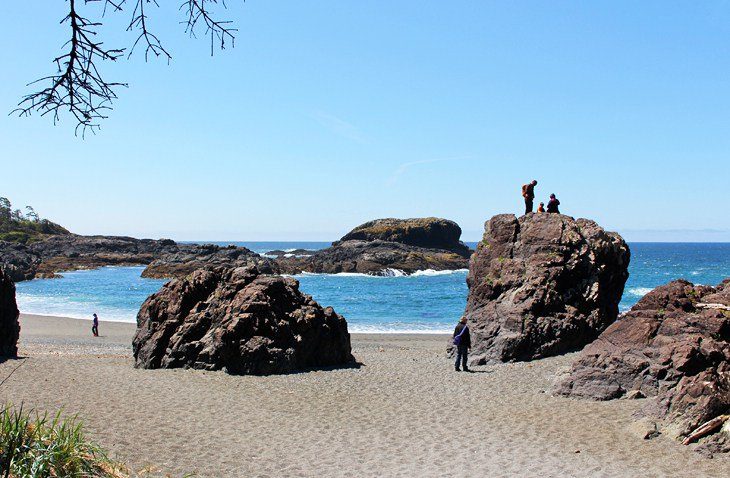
point(542, 285)
point(426, 233)
point(18, 262)
point(71, 252)
point(388, 246)
point(166, 258)
point(674, 345)
point(9, 326)
point(240, 321)
point(190, 257)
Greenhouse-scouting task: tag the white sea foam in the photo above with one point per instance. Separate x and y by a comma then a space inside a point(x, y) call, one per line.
point(639, 291)
point(65, 307)
point(394, 273)
point(380, 329)
point(431, 272)
point(387, 273)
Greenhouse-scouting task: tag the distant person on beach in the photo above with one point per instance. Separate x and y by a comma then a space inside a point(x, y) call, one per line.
point(462, 341)
point(528, 192)
point(553, 204)
point(541, 207)
point(95, 326)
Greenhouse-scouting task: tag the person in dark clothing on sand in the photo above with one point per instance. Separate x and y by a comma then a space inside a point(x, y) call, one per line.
point(553, 204)
point(462, 342)
point(95, 326)
point(528, 192)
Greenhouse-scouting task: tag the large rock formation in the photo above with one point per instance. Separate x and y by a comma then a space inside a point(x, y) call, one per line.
point(542, 285)
point(9, 326)
point(387, 246)
point(240, 321)
point(674, 344)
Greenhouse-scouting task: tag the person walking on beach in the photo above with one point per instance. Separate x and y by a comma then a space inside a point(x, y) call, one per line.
point(462, 341)
point(541, 207)
point(95, 326)
point(553, 204)
point(528, 192)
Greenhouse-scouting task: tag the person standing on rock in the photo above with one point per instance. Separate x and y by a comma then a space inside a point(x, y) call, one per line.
point(462, 342)
point(95, 326)
point(553, 204)
point(528, 192)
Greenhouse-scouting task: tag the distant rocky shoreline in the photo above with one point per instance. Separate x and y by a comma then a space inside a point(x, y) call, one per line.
point(375, 248)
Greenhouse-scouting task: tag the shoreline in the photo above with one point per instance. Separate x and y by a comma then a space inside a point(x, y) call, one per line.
point(408, 332)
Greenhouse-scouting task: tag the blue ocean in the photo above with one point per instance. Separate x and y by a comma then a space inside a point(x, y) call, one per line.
point(425, 302)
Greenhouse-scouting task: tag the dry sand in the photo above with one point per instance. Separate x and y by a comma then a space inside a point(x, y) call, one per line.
point(405, 412)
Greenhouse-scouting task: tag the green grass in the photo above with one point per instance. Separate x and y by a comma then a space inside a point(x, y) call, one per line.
point(35, 445)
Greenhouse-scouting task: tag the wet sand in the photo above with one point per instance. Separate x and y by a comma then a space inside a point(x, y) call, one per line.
point(405, 412)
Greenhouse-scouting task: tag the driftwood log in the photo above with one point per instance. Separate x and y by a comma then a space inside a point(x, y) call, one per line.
point(706, 429)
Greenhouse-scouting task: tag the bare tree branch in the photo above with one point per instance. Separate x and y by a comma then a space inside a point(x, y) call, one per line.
point(78, 85)
point(198, 13)
point(139, 21)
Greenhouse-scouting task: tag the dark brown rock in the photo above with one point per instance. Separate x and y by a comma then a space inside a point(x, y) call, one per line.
point(542, 285)
point(164, 257)
point(240, 321)
point(673, 345)
point(186, 258)
point(18, 262)
point(9, 326)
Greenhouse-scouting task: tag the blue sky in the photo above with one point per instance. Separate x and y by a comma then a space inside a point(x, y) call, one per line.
point(330, 113)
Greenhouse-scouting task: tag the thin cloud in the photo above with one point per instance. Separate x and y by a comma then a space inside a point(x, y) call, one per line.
point(403, 168)
point(339, 126)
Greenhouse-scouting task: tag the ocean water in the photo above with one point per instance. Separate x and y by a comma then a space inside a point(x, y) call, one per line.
point(425, 302)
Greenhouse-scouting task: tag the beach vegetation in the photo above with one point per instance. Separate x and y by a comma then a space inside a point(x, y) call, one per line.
point(39, 446)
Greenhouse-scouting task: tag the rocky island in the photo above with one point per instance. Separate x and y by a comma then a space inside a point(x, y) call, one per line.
point(542, 285)
point(385, 246)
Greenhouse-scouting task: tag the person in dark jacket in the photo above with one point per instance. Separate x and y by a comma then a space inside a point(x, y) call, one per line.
point(528, 192)
point(95, 326)
point(541, 207)
point(553, 204)
point(462, 343)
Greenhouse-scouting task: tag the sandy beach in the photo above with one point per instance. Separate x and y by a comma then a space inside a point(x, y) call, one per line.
point(405, 412)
